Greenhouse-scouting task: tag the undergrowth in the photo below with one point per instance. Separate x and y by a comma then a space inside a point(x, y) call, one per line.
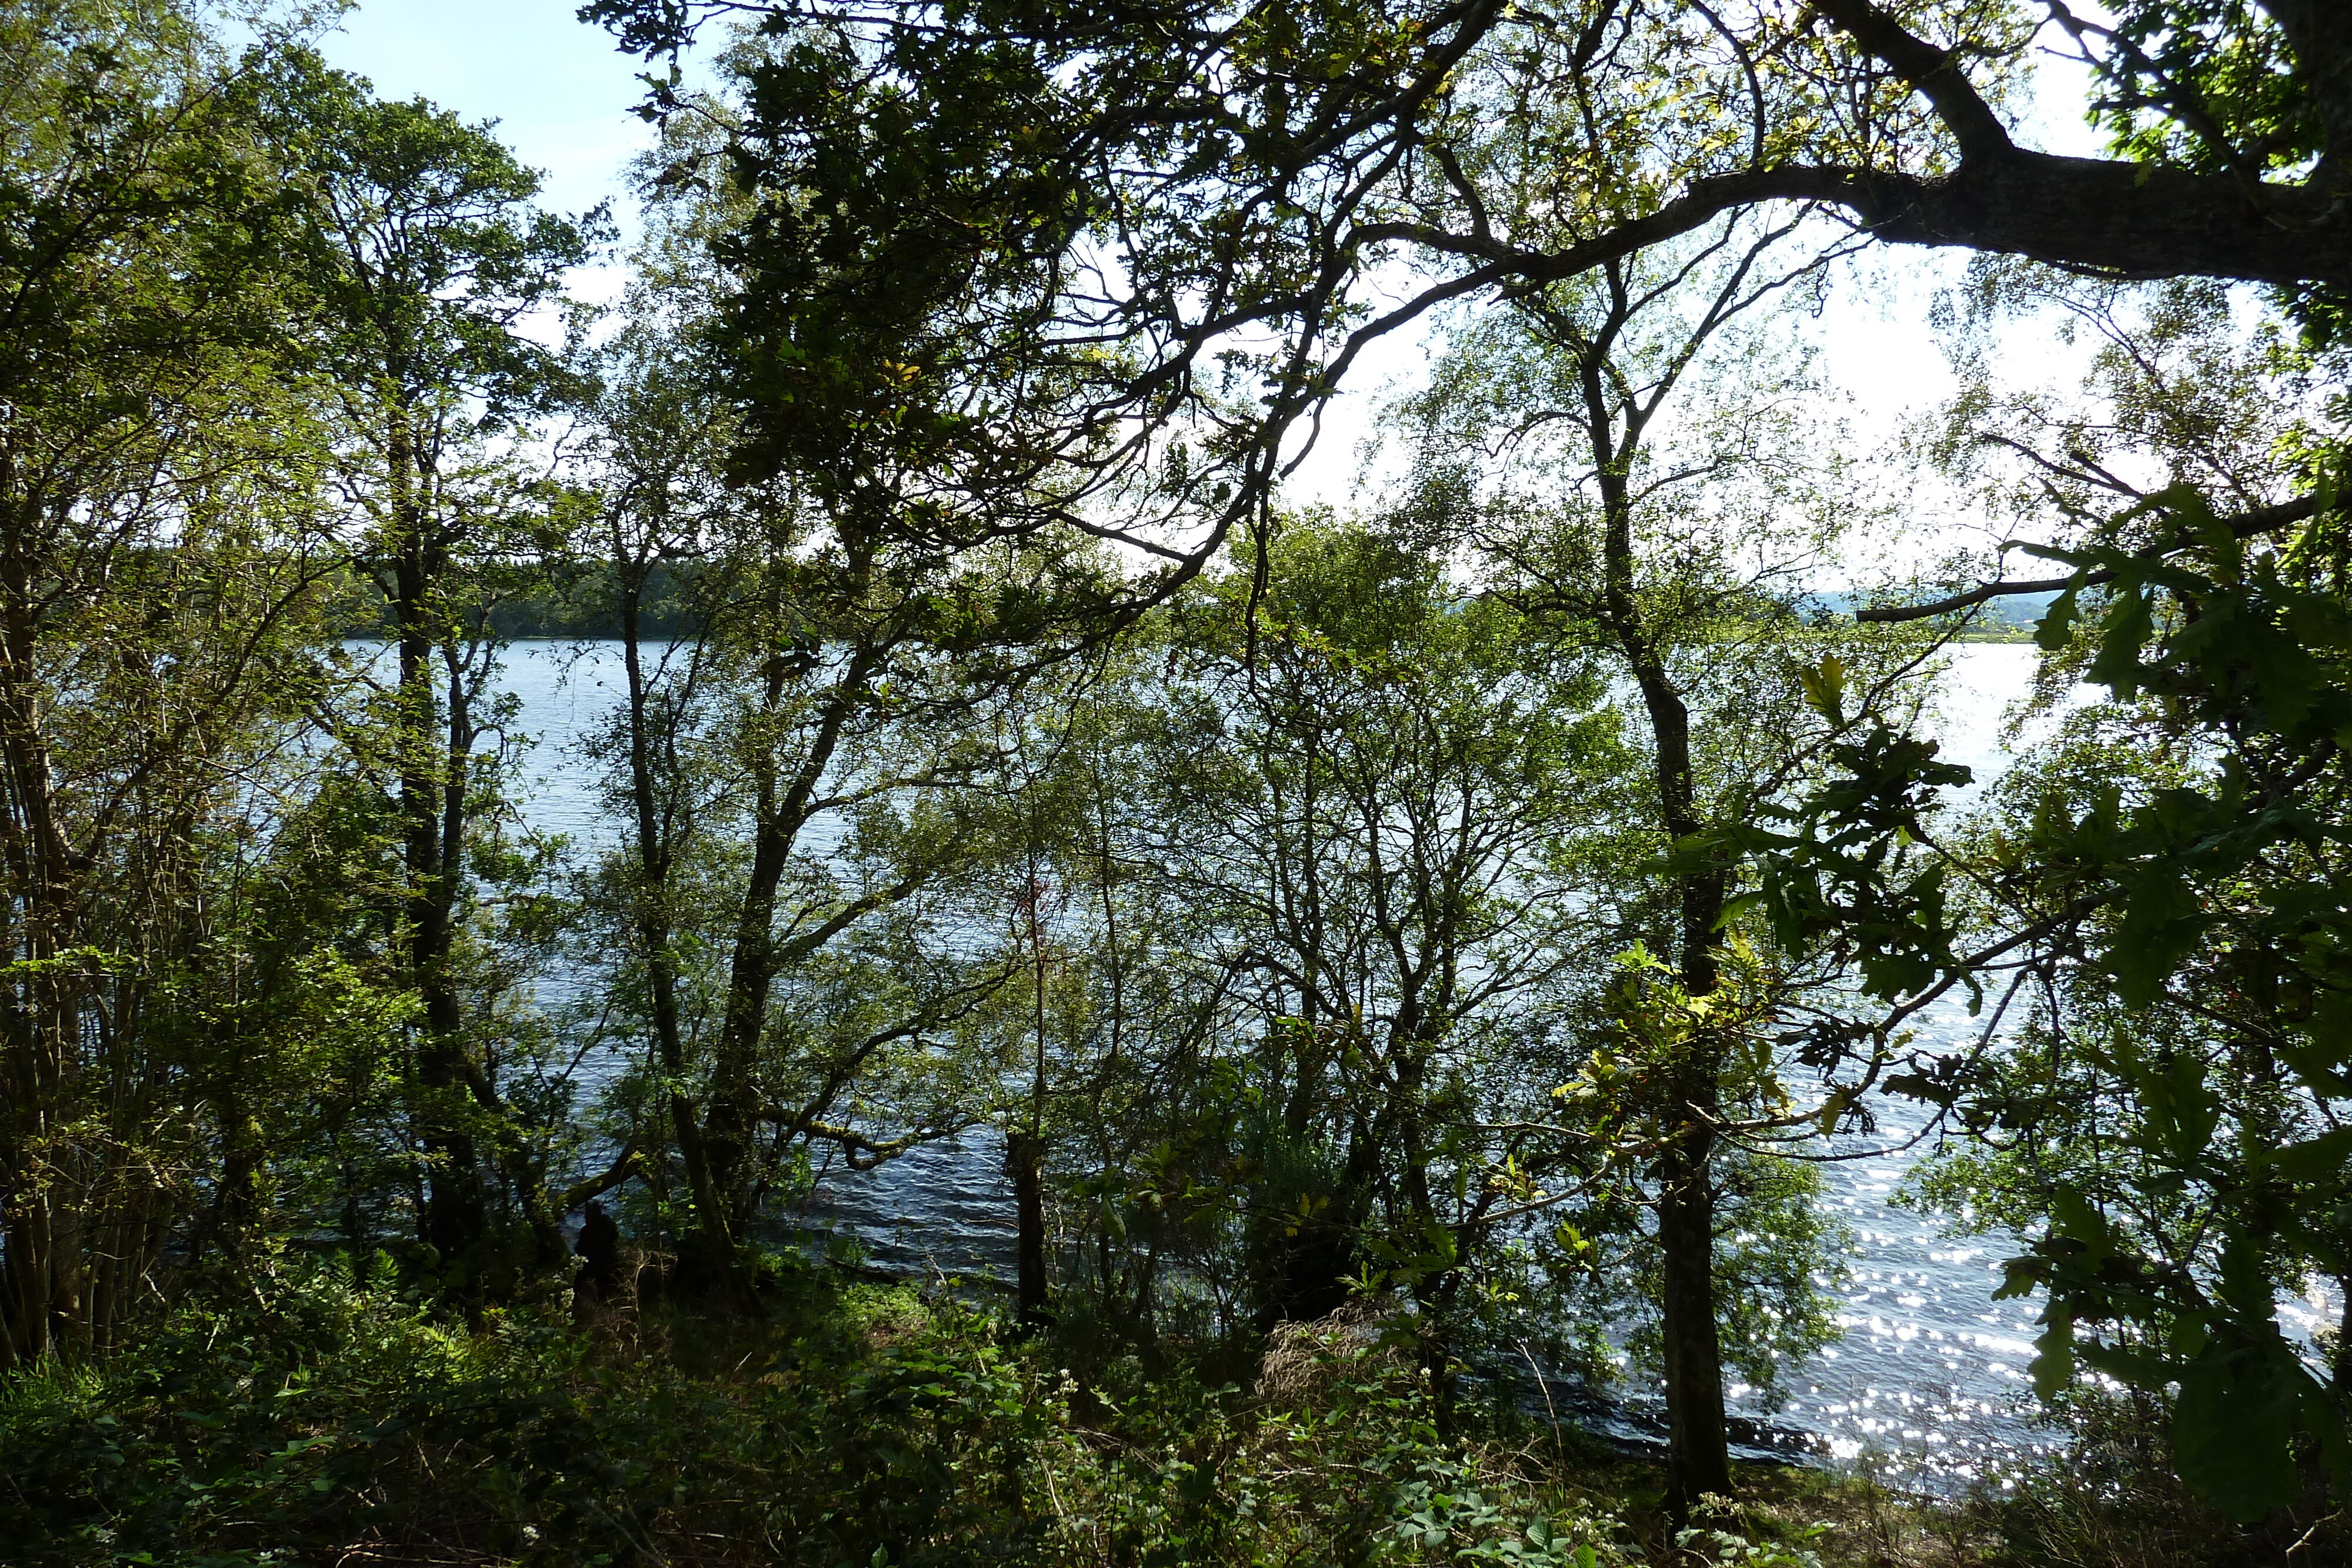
point(848, 1424)
point(857, 1426)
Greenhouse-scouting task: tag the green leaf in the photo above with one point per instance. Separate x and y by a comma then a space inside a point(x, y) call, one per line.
point(2231, 1426)
point(2057, 622)
point(1824, 686)
point(2073, 1216)
point(2054, 1364)
point(2318, 1159)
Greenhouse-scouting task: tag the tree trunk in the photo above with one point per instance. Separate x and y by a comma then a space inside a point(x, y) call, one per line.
point(731, 1118)
point(781, 810)
point(1024, 1160)
point(656, 854)
point(432, 813)
point(51, 1176)
point(1699, 1458)
point(435, 739)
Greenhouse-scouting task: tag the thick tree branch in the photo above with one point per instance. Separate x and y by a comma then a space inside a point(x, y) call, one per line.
point(623, 1167)
point(2116, 218)
point(1934, 73)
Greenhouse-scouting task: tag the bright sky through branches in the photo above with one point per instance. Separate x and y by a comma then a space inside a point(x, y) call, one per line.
point(561, 92)
point(562, 97)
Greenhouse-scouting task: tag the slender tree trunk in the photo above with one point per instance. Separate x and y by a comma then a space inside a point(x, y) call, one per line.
point(781, 807)
point(734, 1114)
point(432, 813)
point(1699, 1456)
point(656, 854)
point(1025, 1151)
point(731, 1116)
point(47, 1178)
point(1024, 1162)
point(455, 1218)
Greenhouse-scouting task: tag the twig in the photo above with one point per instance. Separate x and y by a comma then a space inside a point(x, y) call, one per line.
point(1558, 1447)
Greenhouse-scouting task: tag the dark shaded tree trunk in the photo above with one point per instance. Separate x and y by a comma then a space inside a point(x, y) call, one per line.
point(436, 735)
point(781, 806)
point(432, 808)
point(1024, 1162)
point(659, 831)
point(1700, 1457)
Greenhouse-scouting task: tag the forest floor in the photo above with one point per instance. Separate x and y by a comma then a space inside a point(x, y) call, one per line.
point(321, 1420)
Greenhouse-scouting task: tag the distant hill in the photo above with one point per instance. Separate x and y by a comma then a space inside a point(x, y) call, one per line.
point(575, 602)
point(2015, 615)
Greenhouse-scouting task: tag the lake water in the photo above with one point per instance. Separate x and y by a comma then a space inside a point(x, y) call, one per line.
point(1929, 1382)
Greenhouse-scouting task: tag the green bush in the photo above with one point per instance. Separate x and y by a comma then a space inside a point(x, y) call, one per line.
point(850, 1426)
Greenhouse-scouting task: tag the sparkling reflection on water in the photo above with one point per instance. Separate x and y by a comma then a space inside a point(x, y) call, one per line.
point(1929, 1382)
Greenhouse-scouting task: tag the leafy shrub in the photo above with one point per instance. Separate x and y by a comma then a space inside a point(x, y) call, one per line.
point(852, 1426)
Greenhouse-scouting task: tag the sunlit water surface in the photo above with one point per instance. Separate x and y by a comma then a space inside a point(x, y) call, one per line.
point(1928, 1384)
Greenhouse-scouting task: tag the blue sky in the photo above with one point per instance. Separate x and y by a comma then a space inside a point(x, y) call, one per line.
point(559, 90)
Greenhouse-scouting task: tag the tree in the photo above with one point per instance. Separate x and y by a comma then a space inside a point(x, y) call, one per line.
point(159, 592)
point(425, 264)
point(888, 326)
point(1680, 512)
point(655, 436)
point(806, 773)
point(1372, 802)
point(1305, 903)
point(2159, 893)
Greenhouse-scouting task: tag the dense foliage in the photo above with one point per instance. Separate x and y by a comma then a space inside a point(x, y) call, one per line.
point(1406, 955)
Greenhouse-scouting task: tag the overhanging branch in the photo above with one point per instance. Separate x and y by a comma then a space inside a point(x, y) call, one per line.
point(2113, 217)
point(2244, 526)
